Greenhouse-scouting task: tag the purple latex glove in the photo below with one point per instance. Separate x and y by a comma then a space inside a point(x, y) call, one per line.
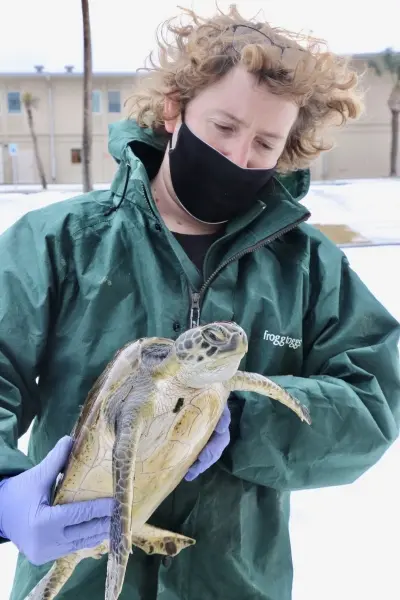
point(213, 450)
point(43, 532)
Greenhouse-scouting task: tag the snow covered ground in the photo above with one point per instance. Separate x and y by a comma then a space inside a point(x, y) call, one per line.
point(345, 539)
point(370, 208)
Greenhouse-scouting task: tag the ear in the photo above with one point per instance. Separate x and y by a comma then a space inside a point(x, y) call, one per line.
point(171, 114)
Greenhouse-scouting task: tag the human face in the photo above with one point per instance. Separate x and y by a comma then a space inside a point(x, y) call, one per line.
point(241, 119)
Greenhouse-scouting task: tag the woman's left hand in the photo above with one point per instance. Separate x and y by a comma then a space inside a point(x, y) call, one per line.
point(212, 451)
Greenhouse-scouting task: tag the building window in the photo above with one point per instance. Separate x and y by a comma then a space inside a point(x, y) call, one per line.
point(14, 102)
point(114, 102)
point(96, 101)
point(76, 156)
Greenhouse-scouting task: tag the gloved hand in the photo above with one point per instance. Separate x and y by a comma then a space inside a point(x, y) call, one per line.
point(42, 532)
point(212, 451)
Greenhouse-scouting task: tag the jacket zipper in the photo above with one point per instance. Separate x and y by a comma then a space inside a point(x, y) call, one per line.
point(196, 296)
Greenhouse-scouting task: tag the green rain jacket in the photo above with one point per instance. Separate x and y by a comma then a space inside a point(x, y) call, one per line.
point(79, 280)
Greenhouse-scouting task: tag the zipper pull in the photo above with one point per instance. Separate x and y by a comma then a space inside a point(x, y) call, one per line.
point(195, 310)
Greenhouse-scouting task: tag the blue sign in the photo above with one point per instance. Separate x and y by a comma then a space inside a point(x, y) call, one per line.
point(12, 149)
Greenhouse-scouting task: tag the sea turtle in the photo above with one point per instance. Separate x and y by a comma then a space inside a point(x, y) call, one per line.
point(142, 426)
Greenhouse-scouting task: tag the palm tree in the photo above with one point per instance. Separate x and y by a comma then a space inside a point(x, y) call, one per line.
point(30, 103)
point(87, 99)
point(389, 62)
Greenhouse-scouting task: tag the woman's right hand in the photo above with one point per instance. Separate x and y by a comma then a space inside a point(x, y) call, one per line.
point(43, 532)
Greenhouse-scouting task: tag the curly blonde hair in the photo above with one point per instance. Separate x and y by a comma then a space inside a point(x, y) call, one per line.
point(298, 67)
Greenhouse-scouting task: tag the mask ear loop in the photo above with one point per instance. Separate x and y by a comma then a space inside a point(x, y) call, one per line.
point(183, 114)
point(169, 147)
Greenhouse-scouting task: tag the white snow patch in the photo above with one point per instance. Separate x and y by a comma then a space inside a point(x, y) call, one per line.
point(370, 207)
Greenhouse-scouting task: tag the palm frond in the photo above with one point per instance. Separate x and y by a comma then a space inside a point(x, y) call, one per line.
point(376, 66)
point(387, 61)
point(28, 100)
point(391, 60)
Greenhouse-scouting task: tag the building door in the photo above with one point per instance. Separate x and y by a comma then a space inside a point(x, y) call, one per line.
point(26, 167)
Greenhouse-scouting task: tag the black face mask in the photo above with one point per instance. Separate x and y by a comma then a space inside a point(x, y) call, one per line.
point(209, 186)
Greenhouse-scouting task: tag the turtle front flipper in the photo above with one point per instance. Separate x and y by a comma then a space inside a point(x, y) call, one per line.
point(253, 382)
point(160, 541)
point(128, 429)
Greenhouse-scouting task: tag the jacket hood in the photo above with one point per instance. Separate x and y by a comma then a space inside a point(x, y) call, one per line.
point(127, 133)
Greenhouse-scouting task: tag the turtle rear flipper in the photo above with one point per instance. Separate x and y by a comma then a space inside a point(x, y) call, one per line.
point(62, 569)
point(49, 586)
point(160, 541)
point(253, 382)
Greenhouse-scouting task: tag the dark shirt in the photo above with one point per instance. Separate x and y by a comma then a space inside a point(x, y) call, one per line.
point(196, 246)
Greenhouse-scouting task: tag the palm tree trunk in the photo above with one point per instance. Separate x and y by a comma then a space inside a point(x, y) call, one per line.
point(39, 163)
point(395, 143)
point(87, 99)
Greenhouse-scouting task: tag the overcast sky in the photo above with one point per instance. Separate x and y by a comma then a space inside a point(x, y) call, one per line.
point(49, 32)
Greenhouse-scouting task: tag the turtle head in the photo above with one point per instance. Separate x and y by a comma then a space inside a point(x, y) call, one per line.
point(210, 353)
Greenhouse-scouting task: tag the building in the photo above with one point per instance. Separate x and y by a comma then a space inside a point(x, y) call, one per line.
point(362, 149)
point(58, 121)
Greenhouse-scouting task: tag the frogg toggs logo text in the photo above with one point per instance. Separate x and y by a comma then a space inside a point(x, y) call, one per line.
point(282, 340)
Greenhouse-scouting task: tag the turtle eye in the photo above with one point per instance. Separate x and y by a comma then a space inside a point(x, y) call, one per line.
point(214, 335)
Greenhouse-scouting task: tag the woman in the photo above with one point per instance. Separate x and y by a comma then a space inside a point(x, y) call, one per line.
point(202, 223)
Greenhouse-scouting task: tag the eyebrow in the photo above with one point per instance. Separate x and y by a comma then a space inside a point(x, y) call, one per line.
point(269, 134)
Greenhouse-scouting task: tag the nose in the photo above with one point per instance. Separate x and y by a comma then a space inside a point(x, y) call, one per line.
point(238, 152)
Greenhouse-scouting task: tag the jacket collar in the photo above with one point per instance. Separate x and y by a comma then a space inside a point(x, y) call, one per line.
point(139, 152)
